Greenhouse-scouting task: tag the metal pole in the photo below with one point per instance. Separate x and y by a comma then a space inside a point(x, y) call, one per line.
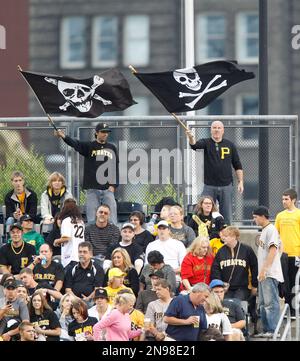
point(263, 104)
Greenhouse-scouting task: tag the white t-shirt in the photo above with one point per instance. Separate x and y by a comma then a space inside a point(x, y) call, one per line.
point(172, 250)
point(269, 237)
point(75, 231)
point(219, 321)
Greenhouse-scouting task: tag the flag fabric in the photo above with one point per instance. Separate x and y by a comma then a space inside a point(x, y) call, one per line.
point(194, 88)
point(107, 92)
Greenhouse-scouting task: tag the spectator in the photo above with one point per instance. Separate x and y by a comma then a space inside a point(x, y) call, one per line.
point(53, 235)
point(165, 201)
point(208, 222)
point(115, 283)
point(215, 317)
point(148, 295)
point(52, 199)
point(4, 277)
point(102, 307)
point(85, 276)
point(269, 271)
point(29, 235)
point(27, 332)
point(72, 232)
point(81, 328)
point(63, 313)
point(163, 216)
point(232, 309)
point(22, 292)
point(142, 237)
point(47, 270)
point(118, 323)
point(12, 312)
point(16, 255)
point(287, 223)
point(121, 259)
point(20, 200)
point(211, 334)
point(172, 250)
point(102, 234)
point(134, 250)
point(233, 263)
point(45, 321)
point(156, 263)
point(219, 156)
point(100, 187)
point(178, 229)
point(196, 265)
point(185, 315)
point(156, 310)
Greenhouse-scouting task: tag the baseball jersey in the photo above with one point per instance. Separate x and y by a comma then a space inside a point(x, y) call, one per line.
point(75, 231)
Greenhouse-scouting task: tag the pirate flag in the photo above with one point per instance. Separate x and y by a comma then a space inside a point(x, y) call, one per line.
point(106, 92)
point(194, 88)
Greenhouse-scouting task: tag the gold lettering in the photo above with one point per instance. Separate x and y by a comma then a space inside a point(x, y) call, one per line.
point(224, 151)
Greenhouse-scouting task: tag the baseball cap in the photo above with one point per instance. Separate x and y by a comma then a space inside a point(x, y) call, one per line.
point(26, 217)
point(115, 272)
point(20, 283)
point(163, 224)
point(128, 225)
point(10, 284)
point(102, 127)
point(16, 225)
point(158, 274)
point(216, 283)
point(261, 211)
point(101, 293)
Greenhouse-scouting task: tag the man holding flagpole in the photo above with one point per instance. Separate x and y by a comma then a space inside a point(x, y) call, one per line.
point(219, 156)
point(101, 170)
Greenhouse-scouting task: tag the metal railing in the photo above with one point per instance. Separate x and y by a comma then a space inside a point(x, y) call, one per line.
point(287, 332)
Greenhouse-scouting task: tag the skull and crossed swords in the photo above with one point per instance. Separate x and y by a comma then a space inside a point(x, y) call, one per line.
point(79, 95)
point(191, 79)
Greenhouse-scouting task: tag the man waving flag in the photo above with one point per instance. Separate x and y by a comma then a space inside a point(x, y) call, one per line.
point(106, 92)
point(194, 88)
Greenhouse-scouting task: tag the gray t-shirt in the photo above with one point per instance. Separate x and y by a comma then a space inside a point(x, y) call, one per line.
point(156, 311)
point(269, 237)
point(185, 234)
point(18, 313)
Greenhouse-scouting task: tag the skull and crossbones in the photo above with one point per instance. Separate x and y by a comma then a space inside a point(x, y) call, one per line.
point(190, 79)
point(79, 95)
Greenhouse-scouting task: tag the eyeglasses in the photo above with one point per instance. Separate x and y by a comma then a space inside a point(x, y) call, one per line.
point(102, 212)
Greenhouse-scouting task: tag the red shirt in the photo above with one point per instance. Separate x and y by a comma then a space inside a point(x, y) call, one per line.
point(196, 269)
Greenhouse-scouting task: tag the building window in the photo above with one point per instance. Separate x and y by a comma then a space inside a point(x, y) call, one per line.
point(104, 41)
point(73, 42)
point(210, 37)
point(247, 104)
point(136, 40)
point(247, 37)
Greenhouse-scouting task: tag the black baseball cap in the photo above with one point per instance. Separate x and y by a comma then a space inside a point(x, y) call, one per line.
point(26, 217)
point(10, 284)
point(101, 293)
point(16, 225)
point(102, 127)
point(158, 274)
point(261, 211)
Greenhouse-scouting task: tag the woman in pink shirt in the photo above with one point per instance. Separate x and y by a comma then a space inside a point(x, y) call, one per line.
point(117, 323)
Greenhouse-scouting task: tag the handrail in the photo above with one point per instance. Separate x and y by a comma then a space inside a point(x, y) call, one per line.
point(287, 332)
point(297, 303)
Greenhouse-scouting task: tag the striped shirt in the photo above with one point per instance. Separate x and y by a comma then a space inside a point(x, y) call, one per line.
point(101, 238)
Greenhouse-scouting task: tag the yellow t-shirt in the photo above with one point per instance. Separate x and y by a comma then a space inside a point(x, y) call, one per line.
point(288, 226)
point(112, 293)
point(21, 198)
point(216, 244)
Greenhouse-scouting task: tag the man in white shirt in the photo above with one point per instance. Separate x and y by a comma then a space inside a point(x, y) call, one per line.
point(269, 271)
point(172, 249)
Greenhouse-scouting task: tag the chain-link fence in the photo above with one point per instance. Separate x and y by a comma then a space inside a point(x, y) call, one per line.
point(155, 159)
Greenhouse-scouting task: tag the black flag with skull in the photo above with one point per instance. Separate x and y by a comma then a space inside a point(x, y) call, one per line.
point(183, 90)
point(59, 95)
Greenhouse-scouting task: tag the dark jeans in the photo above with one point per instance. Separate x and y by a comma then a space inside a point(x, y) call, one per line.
point(292, 271)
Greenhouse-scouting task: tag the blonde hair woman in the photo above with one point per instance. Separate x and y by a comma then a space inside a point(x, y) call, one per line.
point(179, 230)
point(53, 197)
point(196, 265)
point(63, 312)
point(121, 259)
point(118, 323)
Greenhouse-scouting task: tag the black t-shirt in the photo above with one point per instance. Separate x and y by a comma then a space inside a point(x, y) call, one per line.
point(52, 236)
point(219, 158)
point(143, 239)
point(17, 258)
point(134, 250)
point(76, 328)
point(233, 310)
point(47, 321)
point(51, 274)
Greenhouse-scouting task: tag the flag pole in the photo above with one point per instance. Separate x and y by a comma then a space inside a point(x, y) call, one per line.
point(134, 71)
